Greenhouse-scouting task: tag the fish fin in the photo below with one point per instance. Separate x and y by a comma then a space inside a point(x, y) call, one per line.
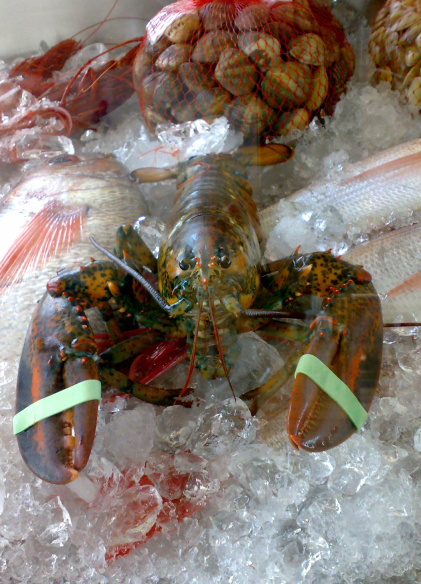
point(52, 230)
point(411, 283)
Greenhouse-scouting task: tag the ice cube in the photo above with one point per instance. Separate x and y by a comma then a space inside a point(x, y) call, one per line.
point(173, 429)
point(128, 439)
point(222, 427)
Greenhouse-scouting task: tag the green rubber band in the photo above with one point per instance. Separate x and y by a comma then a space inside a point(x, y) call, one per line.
point(56, 403)
point(334, 387)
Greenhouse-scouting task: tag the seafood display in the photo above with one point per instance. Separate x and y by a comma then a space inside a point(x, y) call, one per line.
point(211, 285)
point(58, 204)
point(269, 67)
point(202, 490)
point(395, 47)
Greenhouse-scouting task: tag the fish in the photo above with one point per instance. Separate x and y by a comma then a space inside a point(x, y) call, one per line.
point(45, 224)
point(57, 205)
point(377, 194)
point(394, 262)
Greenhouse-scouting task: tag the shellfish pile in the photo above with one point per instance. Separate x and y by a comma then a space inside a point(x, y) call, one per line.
point(269, 67)
point(395, 47)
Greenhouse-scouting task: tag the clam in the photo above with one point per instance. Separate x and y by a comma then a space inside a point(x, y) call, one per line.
point(217, 15)
point(235, 72)
point(197, 76)
point(172, 57)
point(250, 115)
point(212, 103)
point(296, 15)
point(412, 56)
point(183, 27)
point(210, 46)
point(413, 93)
point(253, 17)
point(295, 120)
point(319, 89)
point(262, 49)
point(289, 84)
point(142, 66)
point(281, 31)
point(157, 46)
point(158, 90)
point(410, 76)
point(309, 49)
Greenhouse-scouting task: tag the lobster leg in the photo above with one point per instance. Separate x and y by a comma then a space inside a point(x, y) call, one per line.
point(147, 393)
point(345, 334)
point(55, 357)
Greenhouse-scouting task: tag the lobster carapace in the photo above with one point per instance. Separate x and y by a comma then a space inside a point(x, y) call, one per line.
point(208, 285)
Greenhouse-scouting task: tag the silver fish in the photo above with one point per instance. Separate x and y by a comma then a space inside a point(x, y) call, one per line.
point(394, 261)
point(382, 191)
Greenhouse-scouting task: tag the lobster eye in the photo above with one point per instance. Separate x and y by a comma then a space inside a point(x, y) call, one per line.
point(184, 265)
point(225, 262)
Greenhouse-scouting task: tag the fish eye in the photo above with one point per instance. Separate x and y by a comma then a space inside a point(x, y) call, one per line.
point(225, 262)
point(63, 159)
point(184, 265)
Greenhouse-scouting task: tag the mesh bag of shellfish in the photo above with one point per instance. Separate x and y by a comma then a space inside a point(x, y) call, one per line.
point(395, 47)
point(268, 66)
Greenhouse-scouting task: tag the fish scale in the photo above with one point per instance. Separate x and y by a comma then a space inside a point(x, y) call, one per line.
point(382, 190)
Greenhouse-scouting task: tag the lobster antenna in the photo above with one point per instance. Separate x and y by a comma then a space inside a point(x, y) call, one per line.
point(400, 324)
point(218, 342)
point(154, 293)
point(259, 312)
point(193, 353)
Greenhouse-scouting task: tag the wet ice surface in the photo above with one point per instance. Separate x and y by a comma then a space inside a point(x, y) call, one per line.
point(262, 514)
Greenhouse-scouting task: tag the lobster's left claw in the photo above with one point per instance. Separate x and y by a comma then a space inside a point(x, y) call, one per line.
point(49, 447)
point(353, 352)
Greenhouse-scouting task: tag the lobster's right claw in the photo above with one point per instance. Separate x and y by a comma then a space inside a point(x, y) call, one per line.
point(57, 447)
point(352, 350)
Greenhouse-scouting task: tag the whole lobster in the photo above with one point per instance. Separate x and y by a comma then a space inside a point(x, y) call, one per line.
point(209, 285)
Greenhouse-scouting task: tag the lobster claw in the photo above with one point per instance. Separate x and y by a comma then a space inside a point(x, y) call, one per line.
point(348, 339)
point(57, 447)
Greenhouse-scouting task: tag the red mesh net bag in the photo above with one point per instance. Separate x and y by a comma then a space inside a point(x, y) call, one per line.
point(268, 66)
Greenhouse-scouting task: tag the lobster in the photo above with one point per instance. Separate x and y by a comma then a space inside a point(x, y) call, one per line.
point(208, 285)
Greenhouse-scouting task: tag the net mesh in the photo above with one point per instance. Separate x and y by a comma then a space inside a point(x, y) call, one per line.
point(395, 47)
point(268, 66)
